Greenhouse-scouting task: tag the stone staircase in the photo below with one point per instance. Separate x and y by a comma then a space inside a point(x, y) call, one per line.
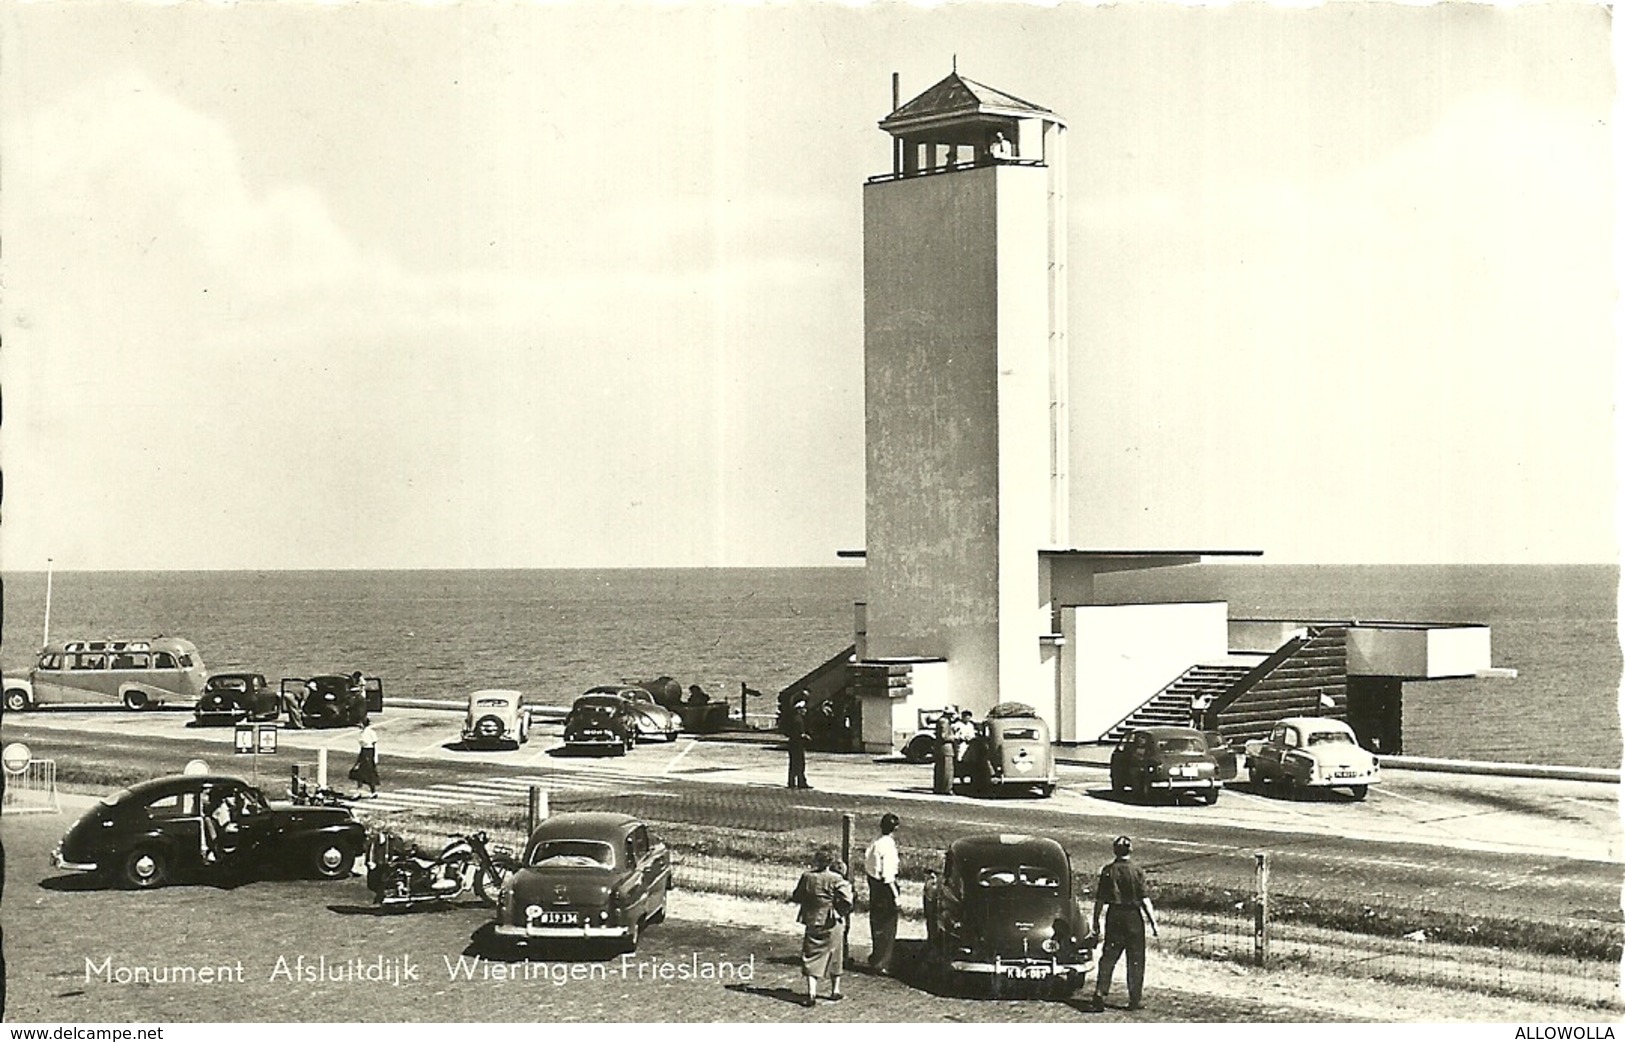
point(1171, 707)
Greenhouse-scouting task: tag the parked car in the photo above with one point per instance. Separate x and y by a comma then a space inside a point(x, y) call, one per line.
point(330, 700)
point(1165, 760)
point(587, 875)
point(156, 832)
point(496, 717)
point(230, 697)
point(1011, 751)
point(1004, 910)
point(650, 719)
point(600, 723)
point(1311, 752)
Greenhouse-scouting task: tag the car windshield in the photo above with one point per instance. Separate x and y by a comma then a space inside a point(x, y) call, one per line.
point(491, 702)
point(1331, 738)
point(233, 684)
point(1181, 745)
point(584, 853)
point(595, 710)
point(1001, 876)
point(1029, 734)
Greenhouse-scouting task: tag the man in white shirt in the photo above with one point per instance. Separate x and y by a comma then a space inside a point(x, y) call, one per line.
point(880, 865)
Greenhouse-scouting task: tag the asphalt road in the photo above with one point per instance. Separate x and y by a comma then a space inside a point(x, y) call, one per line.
point(1535, 848)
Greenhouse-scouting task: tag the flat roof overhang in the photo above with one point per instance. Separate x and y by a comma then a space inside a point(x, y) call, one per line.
point(1102, 561)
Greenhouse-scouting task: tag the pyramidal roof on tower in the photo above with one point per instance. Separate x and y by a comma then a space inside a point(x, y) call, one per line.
point(957, 97)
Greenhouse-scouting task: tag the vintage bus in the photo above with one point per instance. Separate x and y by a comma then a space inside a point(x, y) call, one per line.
point(138, 673)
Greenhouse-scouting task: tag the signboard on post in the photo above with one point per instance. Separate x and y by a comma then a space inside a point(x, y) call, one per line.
point(266, 739)
point(244, 739)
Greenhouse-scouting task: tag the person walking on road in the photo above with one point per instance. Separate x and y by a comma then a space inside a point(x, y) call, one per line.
point(365, 771)
point(795, 733)
point(880, 864)
point(1122, 894)
point(825, 897)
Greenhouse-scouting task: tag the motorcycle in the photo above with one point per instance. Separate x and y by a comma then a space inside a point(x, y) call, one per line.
point(398, 875)
point(302, 794)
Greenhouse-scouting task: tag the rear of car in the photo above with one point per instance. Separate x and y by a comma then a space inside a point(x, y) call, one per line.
point(1010, 913)
point(586, 876)
point(597, 723)
point(496, 717)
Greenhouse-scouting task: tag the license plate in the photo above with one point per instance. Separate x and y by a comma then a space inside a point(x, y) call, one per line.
point(1183, 772)
point(1027, 972)
point(557, 919)
point(1348, 774)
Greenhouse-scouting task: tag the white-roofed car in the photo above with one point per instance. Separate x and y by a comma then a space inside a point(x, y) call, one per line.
point(496, 716)
point(1312, 752)
point(648, 718)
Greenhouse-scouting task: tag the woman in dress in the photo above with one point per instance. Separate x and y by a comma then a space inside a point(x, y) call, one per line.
point(365, 771)
point(825, 897)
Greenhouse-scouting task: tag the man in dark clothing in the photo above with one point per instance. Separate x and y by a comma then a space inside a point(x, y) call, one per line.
point(1121, 892)
point(795, 732)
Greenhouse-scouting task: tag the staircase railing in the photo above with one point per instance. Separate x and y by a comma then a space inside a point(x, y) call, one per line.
point(1247, 682)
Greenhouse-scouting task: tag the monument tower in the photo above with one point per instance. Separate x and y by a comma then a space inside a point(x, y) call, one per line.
point(965, 376)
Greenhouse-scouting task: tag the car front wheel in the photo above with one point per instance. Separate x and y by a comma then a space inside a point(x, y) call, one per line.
point(16, 700)
point(1359, 791)
point(330, 861)
point(135, 699)
point(1211, 796)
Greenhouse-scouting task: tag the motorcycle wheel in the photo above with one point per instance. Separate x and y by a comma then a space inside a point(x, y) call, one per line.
point(488, 884)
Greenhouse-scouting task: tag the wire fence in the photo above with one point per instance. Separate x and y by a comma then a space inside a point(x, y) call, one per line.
point(1219, 906)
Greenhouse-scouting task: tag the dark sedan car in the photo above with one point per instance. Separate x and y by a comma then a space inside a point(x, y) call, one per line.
point(600, 723)
point(587, 875)
point(1003, 910)
point(230, 697)
point(331, 700)
point(1165, 760)
point(172, 829)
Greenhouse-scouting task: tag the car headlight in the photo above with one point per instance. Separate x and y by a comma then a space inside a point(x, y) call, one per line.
point(1051, 945)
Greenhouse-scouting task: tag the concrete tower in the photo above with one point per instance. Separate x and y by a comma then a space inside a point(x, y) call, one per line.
point(965, 391)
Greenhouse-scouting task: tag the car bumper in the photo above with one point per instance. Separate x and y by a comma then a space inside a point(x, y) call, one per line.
point(58, 861)
point(470, 738)
point(1333, 781)
point(593, 743)
point(1022, 969)
point(1181, 784)
point(522, 933)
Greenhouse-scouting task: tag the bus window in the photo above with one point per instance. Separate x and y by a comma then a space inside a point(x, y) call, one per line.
point(163, 660)
point(87, 661)
point(186, 662)
point(138, 660)
point(50, 661)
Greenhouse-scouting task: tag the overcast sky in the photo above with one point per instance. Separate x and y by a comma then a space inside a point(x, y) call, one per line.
point(480, 286)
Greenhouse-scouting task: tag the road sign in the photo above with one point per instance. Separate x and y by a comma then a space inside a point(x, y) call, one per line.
point(266, 742)
point(15, 757)
point(245, 739)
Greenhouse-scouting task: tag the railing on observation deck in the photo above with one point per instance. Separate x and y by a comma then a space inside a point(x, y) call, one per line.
point(956, 168)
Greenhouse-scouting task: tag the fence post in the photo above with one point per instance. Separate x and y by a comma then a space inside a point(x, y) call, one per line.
point(846, 859)
point(536, 812)
point(1261, 908)
point(321, 767)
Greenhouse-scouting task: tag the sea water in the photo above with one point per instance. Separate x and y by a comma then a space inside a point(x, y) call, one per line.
point(554, 633)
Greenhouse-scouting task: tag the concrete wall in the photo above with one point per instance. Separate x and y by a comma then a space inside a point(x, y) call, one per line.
point(956, 379)
point(1262, 635)
point(1118, 656)
point(1418, 652)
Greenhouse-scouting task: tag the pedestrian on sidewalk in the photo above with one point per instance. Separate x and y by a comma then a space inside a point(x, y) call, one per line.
point(795, 733)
